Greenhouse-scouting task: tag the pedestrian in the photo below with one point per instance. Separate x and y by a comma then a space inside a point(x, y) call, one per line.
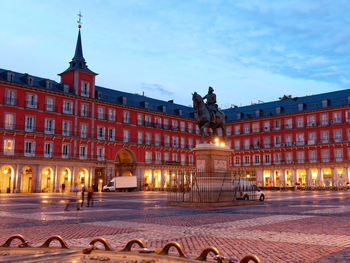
point(90, 196)
point(82, 195)
point(74, 199)
point(63, 188)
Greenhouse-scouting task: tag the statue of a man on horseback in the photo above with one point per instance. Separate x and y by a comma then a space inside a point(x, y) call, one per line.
point(209, 116)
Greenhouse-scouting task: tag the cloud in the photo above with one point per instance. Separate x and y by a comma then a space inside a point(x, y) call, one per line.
point(156, 89)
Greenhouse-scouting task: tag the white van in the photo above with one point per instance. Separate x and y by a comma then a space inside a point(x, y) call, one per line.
point(247, 190)
point(121, 183)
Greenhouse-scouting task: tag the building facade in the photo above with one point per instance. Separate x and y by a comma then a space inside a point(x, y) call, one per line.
point(75, 132)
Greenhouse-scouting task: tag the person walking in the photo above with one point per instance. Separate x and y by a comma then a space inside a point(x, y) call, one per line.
point(74, 199)
point(82, 195)
point(90, 196)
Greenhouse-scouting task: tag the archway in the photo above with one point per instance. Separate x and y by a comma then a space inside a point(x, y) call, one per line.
point(327, 176)
point(301, 175)
point(288, 175)
point(83, 177)
point(6, 176)
point(27, 179)
point(65, 177)
point(267, 178)
point(147, 179)
point(46, 180)
point(125, 163)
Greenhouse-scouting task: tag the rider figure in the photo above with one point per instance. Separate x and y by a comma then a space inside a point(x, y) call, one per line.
point(211, 104)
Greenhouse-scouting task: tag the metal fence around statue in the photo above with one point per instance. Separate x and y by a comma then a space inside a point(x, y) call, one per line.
point(205, 187)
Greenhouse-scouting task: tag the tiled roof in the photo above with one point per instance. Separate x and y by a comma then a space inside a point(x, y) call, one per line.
point(287, 105)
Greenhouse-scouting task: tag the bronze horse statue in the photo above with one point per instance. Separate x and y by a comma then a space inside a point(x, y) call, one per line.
point(203, 119)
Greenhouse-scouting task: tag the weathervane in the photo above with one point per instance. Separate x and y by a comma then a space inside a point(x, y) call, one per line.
point(79, 20)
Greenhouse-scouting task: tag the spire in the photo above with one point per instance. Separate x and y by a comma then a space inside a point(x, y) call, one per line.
point(78, 61)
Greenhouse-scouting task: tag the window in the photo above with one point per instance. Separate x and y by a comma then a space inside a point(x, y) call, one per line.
point(158, 157)
point(148, 120)
point(277, 158)
point(324, 118)
point(190, 159)
point(182, 126)
point(10, 97)
point(83, 152)
point(31, 100)
point(100, 132)
point(300, 122)
point(48, 149)
point(140, 137)
point(67, 107)
point(174, 157)
point(337, 135)
point(313, 156)
point(126, 135)
point(289, 157)
point(301, 106)
point(246, 144)
point(148, 156)
point(266, 126)
point(246, 128)
point(336, 117)
point(49, 104)
point(100, 153)
point(65, 150)
point(158, 122)
point(111, 134)
point(183, 159)
point(228, 131)
point(182, 142)
point(85, 88)
point(84, 130)
point(66, 128)
point(246, 160)
point(237, 144)
point(348, 133)
point(267, 158)
point(288, 140)
point(277, 124)
point(126, 116)
point(256, 159)
point(139, 119)
point(166, 157)
point(311, 120)
point(9, 146)
point(278, 110)
point(347, 116)
point(311, 138)
point(237, 129)
point(197, 129)
point(84, 110)
point(174, 125)
point(190, 128)
point(175, 141)
point(9, 121)
point(166, 140)
point(277, 140)
point(324, 103)
point(256, 143)
point(49, 126)
point(338, 154)
point(100, 113)
point(29, 148)
point(190, 143)
point(148, 138)
point(266, 141)
point(157, 139)
point(237, 160)
point(288, 123)
point(324, 136)
point(325, 155)
point(300, 140)
point(300, 157)
point(166, 123)
point(256, 127)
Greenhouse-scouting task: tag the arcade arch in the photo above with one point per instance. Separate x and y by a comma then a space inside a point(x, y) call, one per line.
point(65, 178)
point(46, 180)
point(27, 179)
point(83, 177)
point(6, 178)
point(125, 163)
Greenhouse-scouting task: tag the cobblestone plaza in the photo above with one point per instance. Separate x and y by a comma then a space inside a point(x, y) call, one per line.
point(287, 227)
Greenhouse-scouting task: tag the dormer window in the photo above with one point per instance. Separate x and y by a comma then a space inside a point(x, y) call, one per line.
point(279, 110)
point(162, 108)
point(258, 113)
point(178, 112)
point(123, 100)
point(301, 106)
point(85, 88)
point(239, 115)
point(65, 88)
point(348, 99)
point(30, 80)
point(144, 104)
point(10, 76)
point(48, 84)
point(325, 103)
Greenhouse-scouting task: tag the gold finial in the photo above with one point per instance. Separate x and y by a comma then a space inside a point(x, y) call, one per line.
point(79, 20)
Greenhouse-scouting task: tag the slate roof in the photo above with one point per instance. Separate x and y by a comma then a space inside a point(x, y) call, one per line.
point(288, 105)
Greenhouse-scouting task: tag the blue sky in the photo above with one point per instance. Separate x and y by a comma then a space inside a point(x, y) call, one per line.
point(248, 51)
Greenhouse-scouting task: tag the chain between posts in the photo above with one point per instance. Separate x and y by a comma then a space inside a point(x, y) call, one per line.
point(143, 249)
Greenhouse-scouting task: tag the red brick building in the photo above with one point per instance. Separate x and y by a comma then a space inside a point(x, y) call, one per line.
point(76, 132)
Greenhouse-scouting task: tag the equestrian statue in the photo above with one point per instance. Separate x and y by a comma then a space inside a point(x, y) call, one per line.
point(209, 116)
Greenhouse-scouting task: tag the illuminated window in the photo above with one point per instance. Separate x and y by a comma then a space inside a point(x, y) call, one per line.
point(9, 146)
